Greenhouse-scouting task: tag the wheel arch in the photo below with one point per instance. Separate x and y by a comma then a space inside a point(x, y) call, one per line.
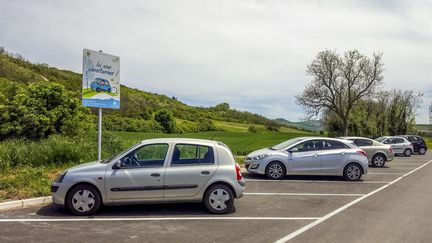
point(219, 182)
point(84, 183)
point(279, 161)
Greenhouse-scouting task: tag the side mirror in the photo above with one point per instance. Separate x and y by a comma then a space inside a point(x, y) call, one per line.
point(118, 165)
point(293, 150)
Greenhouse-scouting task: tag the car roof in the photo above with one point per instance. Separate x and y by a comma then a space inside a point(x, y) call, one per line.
point(180, 140)
point(352, 137)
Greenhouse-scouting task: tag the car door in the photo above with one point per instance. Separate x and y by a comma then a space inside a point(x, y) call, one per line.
point(305, 158)
point(190, 168)
point(141, 174)
point(398, 145)
point(333, 157)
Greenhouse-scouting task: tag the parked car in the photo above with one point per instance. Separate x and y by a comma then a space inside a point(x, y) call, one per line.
point(400, 145)
point(99, 85)
point(309, 156)
point(154, 170)
point(378, 154)
point(419, 144)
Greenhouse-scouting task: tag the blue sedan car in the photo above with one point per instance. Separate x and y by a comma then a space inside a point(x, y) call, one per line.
point(99, 85)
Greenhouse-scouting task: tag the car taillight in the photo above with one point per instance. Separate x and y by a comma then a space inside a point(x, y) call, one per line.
point(362, 152)
point(238, 172)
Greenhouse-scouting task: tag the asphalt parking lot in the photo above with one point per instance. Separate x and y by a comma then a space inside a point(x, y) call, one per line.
point(390, 204)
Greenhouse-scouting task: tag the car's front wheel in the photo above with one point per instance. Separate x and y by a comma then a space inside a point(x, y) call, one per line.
point(83, 200)
point(98, 90)
point(407, 152)
point(275, 170)
point(219, 199)
point(378, 160)
point(422, 151)
point(352, 172)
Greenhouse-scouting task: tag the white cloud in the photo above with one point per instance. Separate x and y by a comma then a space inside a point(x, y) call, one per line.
point(252, 54)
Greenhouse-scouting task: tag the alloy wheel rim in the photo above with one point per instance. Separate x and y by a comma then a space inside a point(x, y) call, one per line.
point(379, 161)
point(353, 172)
point(83, 201)
point(275, 171)
point(422, 151)
point(218, 199)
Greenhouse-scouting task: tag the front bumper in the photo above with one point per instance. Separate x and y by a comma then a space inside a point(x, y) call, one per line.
point(254, 167)
point(59, 191)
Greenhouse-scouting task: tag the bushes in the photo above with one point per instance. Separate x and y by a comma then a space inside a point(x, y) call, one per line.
point(56, 150)
point(117, 123)
point(39, 110)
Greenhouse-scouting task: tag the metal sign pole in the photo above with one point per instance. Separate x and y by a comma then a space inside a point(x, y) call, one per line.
point(99, 133)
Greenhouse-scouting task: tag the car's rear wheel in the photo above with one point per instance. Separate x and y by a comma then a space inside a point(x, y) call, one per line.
point(352, 172)
point(83, 200)
point(407, 152)
point(422, 151)
point(275, 170)
point(378, 160)
point(219, 199)
point(109, 90)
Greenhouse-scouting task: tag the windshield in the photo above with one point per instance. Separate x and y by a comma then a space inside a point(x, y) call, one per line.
point(286, 144)
point(109, 159)
point(380, 139)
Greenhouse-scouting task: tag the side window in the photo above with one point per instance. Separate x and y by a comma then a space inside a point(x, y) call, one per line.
point(189, 154)
point(412, 139)
point(387, 141)
point(398, 140)
point(330, 144)
point(152, 155)
point(312, 145)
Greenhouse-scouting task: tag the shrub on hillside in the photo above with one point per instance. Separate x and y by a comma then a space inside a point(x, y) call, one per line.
point(166, 120)
point(39, 110)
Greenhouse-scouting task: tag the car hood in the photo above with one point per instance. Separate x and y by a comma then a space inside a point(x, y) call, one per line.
point(87, 166)
point(261, 151)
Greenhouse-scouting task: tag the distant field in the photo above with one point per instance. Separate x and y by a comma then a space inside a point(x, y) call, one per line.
point(241, 143)
point(240, 127)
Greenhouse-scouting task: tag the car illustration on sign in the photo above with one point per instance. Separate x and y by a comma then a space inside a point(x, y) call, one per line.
point(99, 85)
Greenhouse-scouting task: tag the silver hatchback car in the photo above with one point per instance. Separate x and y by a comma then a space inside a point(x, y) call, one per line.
point(309, 156)
point(400, 145)
point(154, 170)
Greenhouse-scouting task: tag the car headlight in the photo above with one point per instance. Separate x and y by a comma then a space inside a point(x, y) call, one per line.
point(261, 156)
point(60, 177)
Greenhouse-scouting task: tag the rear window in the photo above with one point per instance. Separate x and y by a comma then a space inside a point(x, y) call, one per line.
point(189, 154)
point(331, 144)
point(363, 142)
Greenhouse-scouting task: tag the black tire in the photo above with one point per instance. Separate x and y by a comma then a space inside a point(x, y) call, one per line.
point(275, 170)
point(109, 90)
point(219, 205)
point(407, 152)
point(352, 172)
point(378, 160)
point(98, 90)
point(80, 189)
point(422, 151)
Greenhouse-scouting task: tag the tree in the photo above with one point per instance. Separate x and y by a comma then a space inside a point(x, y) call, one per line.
point(166, 120)
point(339, 83)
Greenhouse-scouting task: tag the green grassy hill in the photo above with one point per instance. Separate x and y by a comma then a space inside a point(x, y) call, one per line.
point(135, 104)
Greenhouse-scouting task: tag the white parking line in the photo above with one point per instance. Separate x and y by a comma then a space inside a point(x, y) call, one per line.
point(312, 181)
point(153, 219)
point(386, 173)
point(320, 220)
point(301, 194)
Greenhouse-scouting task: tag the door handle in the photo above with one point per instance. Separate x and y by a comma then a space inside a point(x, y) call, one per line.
point(155, 175)
point(205, 172)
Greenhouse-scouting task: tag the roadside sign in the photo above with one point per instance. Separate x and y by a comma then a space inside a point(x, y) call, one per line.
point(101, 80)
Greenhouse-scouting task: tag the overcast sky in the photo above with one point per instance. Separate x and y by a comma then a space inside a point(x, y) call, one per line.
point(251, 54)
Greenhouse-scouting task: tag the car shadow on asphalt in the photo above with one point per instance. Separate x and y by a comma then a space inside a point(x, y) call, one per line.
point(136, 210)
point(297, 177)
